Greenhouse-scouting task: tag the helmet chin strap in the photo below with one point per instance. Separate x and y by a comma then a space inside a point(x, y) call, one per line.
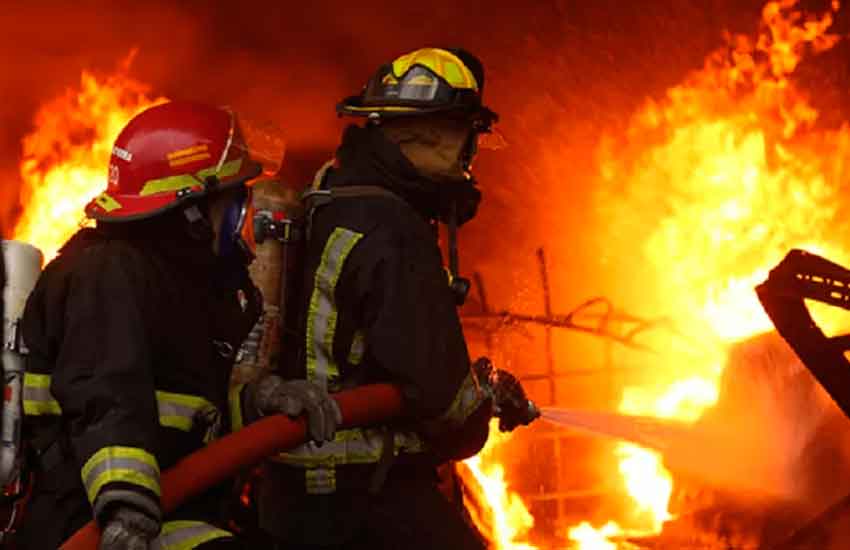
point(199, 227)
point(459, 285)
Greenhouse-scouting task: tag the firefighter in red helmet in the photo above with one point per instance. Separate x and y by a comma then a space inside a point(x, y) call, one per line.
point(379, 307)
point(131, 333)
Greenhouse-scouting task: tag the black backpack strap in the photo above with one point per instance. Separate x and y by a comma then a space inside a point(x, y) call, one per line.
point(355, 191)
point(316, 196)
point(320, 194)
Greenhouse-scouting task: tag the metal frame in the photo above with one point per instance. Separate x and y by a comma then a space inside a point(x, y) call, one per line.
point(596, 317)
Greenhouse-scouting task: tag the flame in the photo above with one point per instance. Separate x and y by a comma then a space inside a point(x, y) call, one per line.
point(65, 158)
point(506, 518)
point(719, 181)
point(713, 184)
point(589, 538)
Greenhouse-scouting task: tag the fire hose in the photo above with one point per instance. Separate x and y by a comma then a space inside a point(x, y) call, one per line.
point(226, 457)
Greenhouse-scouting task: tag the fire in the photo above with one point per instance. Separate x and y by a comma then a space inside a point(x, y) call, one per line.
point(589, 538)
point(66, 155)
point(507, 519)
point(713, 185)
point(717, 181)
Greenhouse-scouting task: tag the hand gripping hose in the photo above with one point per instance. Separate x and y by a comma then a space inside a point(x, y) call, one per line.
point(227, 456)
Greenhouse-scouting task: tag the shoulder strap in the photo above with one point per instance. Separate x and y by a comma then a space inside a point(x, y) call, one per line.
point(319, 195)
point(365, 191)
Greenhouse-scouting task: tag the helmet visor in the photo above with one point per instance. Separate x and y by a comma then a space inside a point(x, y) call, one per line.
point(262, 140)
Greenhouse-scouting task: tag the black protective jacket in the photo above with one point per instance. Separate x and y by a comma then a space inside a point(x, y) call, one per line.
point(131, 346)
point(378, 308)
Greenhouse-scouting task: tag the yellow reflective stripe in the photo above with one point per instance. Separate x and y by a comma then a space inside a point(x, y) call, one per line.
point(184, 399)
point(235, 402)
point(321, 321)
point(228, 169)
point(175, 183)
point(120, 464)
point(36, 396)
point(176, 422)
point(320, 481)
point(41, 408)
point(442, 62)
point(468, 398)
point(357, 446)
point(187, 535)
point(180, 410)
point(358, 348)
point(36, 380)
point(107, 202)
point(176, 410)
point(171, 183)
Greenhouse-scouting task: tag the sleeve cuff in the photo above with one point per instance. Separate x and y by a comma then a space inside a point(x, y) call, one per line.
point(124, 465)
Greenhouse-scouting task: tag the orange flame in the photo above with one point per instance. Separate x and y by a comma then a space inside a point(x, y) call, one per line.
point(66, 156)
point(713, 185)
point(719, 181)
point(507, 519)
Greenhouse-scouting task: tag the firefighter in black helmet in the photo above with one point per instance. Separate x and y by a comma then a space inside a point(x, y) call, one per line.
point(379, 307)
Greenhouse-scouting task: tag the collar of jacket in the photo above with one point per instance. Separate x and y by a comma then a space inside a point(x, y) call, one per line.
point(367, 157)
point(166, 236)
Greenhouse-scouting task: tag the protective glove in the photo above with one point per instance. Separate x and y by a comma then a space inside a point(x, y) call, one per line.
point(272, 395)
point(128, 529)
point(510, 403)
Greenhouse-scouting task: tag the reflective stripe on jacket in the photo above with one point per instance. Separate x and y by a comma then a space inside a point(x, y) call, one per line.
point(187, 535)
point(378, 308)
point(176, 410)
point(127, 331)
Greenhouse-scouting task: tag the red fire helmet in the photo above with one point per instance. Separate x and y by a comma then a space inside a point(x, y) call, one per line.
point(169, 154)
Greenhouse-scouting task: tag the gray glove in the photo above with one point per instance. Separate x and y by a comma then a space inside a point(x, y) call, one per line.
point(128, 529)
point(272, 395)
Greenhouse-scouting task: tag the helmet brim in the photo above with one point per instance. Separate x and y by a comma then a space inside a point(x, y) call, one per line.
point(354, 106)
point(114, 207)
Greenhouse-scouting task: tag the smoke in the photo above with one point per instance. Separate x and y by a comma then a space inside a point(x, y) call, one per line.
point(558, 72)
point(774, 432)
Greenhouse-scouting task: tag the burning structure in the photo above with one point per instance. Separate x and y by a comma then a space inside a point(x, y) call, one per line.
point(694, 199)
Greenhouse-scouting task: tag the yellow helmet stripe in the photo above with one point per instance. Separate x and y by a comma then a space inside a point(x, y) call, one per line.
point(175, 183)
point(107, 202)
point(441, 62)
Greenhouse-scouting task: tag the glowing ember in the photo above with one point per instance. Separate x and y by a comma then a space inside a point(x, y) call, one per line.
point(717, 182)
point(506, 517)
point(66, 156)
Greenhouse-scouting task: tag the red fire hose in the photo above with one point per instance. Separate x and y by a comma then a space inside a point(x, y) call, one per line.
point(227, 456)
